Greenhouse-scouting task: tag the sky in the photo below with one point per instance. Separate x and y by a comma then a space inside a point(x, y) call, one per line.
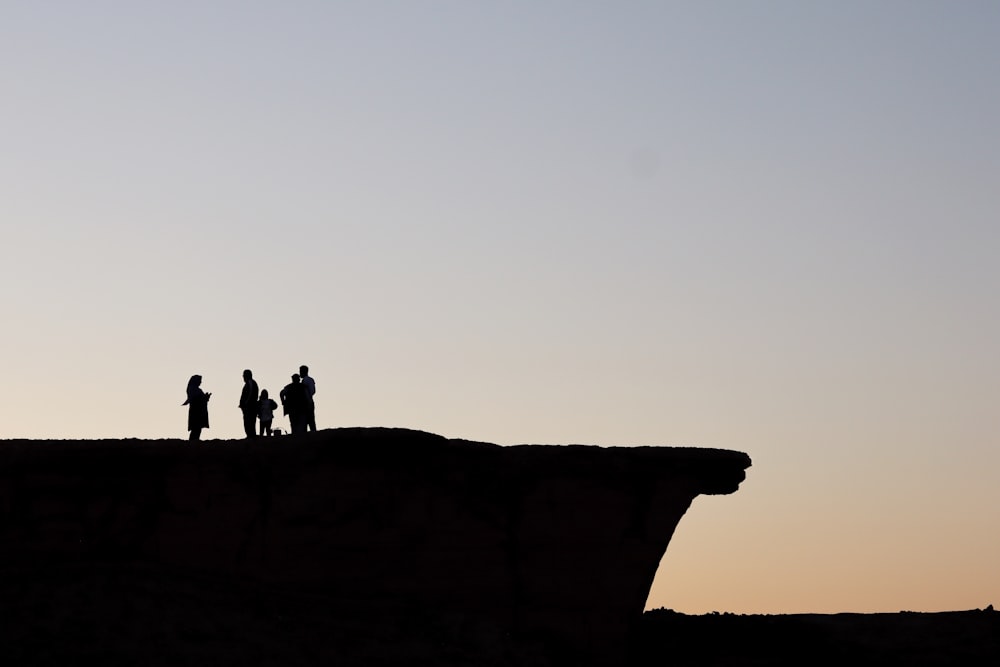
point(763, 226)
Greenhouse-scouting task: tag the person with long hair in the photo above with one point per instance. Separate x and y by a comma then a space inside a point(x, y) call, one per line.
point(197, 402)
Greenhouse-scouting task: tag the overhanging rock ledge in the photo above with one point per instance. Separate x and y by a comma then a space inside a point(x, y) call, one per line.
point(497, 550)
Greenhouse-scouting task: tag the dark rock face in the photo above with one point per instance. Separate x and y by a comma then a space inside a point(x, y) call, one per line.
point(376, 546)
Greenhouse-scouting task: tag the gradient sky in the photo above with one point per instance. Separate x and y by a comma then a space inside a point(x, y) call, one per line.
point(763, 226)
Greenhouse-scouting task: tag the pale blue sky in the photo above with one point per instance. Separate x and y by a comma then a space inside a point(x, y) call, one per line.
point(764, 226)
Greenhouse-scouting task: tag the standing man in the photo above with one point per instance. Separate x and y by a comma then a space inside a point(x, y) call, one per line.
point(293, 399)
point(310, 407)
point(248, 404)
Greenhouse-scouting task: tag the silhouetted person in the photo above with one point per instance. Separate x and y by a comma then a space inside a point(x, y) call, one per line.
point(310, 386)
point(197, 402)
point(293, 400)
point(248, 404)
point(265, 411)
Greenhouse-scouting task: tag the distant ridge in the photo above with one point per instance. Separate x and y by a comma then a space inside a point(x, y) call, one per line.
point(907, 638)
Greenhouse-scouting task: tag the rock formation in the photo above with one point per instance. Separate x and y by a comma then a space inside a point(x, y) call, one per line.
point(364, 545)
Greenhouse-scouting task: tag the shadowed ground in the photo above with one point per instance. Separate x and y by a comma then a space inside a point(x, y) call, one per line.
point(124, 616)
point(906, 638)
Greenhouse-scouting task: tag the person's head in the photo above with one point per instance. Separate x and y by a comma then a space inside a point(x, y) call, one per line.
point(263, 394)
point(247, 374)
point(303, 370)
point(295, 378)
point(195, 381)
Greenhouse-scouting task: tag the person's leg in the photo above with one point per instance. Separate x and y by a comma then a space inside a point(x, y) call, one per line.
point(249, 423)
point(195, 434)
point(311, 418)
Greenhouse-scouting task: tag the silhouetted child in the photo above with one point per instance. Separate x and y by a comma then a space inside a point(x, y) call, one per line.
point(265, 410)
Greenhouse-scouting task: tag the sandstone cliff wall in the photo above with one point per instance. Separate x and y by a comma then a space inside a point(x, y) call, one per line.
point(553, 548)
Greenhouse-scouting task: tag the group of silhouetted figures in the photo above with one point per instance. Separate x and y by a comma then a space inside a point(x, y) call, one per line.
point(296, 402)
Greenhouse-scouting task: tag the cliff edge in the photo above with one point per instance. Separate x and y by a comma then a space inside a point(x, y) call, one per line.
point(373, 545)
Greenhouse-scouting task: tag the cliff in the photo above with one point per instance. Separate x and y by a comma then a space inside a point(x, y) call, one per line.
point(377, 546)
